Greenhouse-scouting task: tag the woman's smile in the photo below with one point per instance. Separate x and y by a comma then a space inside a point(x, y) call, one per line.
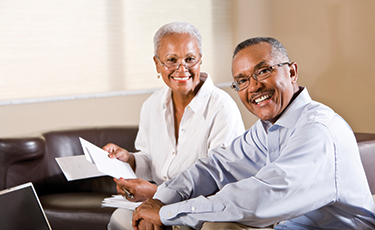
point(181, 78)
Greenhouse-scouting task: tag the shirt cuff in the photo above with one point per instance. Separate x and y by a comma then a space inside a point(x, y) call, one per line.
point(170, 214)
point(167, 195)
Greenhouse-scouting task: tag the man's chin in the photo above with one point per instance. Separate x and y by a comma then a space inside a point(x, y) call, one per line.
point(265, 116)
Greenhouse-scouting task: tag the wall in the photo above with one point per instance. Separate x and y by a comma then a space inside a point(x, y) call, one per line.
point(30, 119)
point(331, 40)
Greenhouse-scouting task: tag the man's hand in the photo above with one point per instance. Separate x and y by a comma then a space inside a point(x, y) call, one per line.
point(145, 225)
point(147, 211)
point(120, 153)
point(141, 189)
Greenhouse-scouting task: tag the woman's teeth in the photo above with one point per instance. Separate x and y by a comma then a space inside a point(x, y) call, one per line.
point(262, 98)
point(181, 78)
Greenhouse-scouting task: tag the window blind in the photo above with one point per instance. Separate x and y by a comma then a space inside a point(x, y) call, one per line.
point(59, 48)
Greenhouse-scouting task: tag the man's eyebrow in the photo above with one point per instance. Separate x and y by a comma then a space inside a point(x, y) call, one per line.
point(257, 66)
point(260, 64)
point(239, 76)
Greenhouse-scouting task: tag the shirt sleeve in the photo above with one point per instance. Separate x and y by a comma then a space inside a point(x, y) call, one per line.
point(240, 187)
point(228, 125)
point(142, 159)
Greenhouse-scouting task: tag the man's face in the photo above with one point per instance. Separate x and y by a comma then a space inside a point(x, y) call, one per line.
point(268, 98)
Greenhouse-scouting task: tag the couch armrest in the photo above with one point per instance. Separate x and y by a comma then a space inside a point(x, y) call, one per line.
point(21, 161)
point(66, 143)
point(366, 146)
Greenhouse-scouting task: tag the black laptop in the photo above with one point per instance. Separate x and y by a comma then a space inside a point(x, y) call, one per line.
point(20, 208)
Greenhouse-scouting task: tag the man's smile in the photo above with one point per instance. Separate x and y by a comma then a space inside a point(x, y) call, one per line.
point(261, 98)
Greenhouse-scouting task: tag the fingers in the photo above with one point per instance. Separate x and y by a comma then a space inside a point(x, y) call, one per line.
point(116, 152)
point(123, 189)
point(136, 218)
point(128, 194)
point(149, 211)
point(110, 147)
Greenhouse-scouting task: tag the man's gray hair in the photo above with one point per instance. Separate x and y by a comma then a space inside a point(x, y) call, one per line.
point(278, 49)
point(176, 28)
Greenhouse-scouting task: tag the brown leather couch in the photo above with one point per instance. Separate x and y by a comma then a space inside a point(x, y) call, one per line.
point(77, 204)
point(68, 205)
point(366, 145)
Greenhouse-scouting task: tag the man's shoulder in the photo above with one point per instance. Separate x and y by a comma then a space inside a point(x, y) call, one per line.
point(323, 117)
point(318, 112)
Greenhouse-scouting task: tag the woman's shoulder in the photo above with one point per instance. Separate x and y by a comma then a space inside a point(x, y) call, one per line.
point(221, 96)
point(158, 95)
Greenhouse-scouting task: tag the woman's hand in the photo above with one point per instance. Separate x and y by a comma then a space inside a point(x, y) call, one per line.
point(141, 189)
point(120, 154)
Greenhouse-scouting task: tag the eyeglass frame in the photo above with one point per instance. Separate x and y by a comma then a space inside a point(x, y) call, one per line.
point(235, 84)
point(178, 64)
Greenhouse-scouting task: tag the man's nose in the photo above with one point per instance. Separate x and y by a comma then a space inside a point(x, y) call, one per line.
point(253, 85)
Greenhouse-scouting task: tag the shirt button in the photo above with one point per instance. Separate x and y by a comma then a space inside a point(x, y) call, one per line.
point(193, 208)
point(165, 177)
point(183, 130)
point(173, 153)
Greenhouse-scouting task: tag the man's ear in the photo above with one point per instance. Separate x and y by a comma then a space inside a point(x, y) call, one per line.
point(156, 64)
point(293, 72)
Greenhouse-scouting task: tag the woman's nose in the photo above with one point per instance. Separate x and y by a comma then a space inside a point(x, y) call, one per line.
point(179, 64)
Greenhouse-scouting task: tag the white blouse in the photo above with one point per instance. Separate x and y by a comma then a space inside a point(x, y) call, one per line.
point(211, 119)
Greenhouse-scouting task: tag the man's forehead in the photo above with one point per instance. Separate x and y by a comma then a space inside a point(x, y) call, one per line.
point(250, 57)
point(257, 51)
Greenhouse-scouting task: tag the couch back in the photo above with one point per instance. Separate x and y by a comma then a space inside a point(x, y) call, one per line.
point(33, 159)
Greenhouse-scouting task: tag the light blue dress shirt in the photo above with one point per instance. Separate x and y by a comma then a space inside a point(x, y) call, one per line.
point(303, 172)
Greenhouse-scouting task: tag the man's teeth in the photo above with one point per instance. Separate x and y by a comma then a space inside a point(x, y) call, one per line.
point(262, 98)
point(181, 78)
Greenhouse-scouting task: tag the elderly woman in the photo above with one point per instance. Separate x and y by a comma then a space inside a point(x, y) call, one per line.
point(179, 123)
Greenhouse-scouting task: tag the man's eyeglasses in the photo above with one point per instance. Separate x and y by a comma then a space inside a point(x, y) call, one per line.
point(259, 75)
point(172, 64)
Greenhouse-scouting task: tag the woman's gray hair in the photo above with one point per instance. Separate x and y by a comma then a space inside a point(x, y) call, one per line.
point(176, 28)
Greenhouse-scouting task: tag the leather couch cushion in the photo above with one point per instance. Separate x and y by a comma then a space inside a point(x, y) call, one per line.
point(76, 211)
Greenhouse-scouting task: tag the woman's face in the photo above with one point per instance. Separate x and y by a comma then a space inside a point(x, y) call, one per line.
point(180, 49)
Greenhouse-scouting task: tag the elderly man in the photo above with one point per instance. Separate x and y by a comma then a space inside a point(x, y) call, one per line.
point(298, 167)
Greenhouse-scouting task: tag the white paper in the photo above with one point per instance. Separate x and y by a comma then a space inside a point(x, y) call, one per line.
point(117, 201)
point(77, 167)
point(112, 167)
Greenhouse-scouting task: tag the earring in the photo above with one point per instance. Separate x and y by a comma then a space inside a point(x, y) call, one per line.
point(158, 76)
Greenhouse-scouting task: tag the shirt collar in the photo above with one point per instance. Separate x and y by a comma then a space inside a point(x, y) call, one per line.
point(293, 112)
point(200, 101)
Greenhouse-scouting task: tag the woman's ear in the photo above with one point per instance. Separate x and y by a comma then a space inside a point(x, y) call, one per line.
point(293, 72)
point(157, 66)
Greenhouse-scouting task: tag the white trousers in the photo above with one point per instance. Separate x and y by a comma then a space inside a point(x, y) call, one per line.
point(121, 219)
